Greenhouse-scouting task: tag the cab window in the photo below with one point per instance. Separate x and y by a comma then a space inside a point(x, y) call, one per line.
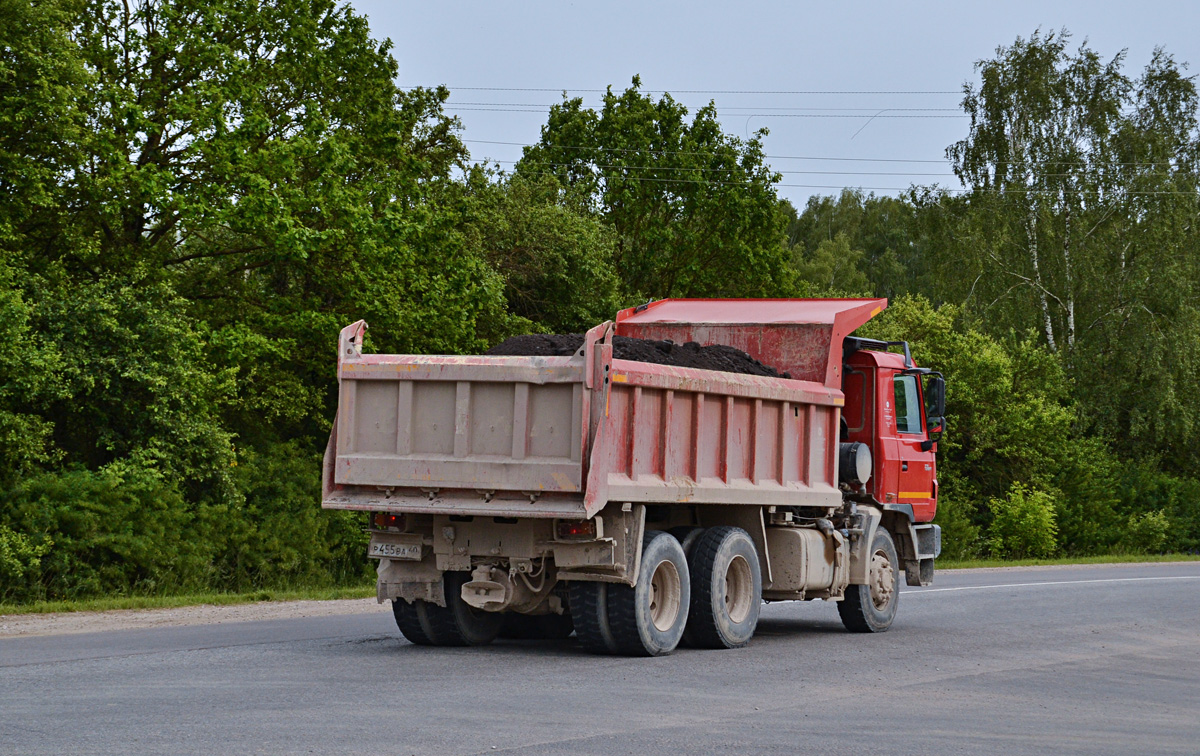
point(908, 404)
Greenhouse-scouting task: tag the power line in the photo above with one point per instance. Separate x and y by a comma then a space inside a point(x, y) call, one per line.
point(460, 108)
point(717, 91)
point(738, 107)
point(710, 154)
point(894, 188)
point(684, 169)
point(1161, 164)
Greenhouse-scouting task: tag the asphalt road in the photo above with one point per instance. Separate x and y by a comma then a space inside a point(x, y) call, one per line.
point(1087, 660)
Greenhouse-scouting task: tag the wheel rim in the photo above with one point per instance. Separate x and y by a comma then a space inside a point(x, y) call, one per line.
point(665, 594)
point(739, 586)
point(883, 580)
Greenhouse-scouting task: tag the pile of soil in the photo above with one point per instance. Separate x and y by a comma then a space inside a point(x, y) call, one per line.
point(692, 355)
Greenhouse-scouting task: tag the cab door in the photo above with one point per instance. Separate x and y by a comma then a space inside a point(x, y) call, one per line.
point(917, 471)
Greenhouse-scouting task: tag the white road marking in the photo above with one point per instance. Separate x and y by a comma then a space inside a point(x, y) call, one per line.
point(916, 592)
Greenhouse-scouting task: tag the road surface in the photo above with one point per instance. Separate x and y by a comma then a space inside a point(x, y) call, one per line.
point(1087, 660)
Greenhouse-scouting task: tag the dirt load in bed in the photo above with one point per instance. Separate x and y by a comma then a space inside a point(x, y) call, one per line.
point(691, 355)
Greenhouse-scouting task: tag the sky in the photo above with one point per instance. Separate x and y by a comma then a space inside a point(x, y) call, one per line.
point(861, 94)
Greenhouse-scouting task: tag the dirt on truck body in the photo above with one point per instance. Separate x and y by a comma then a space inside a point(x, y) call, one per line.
point(651, 481)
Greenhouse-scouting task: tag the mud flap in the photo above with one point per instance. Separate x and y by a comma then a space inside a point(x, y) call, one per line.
point(409, 581)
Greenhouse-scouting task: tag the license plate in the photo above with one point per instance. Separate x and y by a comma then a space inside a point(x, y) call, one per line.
point(393, 550)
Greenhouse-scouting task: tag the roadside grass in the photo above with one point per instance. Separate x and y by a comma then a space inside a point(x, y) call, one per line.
point(191, 599)
point(967, 564)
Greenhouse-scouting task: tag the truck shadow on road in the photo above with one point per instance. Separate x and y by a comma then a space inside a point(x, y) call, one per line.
point(770, 630)
point(786, 626)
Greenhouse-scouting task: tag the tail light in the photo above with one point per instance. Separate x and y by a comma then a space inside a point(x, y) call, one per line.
point(387, 520)
point(575, 529)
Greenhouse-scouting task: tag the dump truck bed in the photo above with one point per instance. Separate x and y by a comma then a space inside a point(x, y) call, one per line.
point(563, 436)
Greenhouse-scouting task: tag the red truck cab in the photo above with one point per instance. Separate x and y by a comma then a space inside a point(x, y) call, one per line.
point(886, 409)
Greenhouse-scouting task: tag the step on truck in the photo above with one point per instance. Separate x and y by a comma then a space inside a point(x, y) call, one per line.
point(643, 505)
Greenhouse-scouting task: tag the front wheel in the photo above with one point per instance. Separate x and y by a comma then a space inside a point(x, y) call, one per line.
point(871, 608)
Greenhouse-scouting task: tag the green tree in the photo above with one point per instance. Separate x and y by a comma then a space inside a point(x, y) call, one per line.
point(832, 268)
point(878, 229)
point(196, 197)
point(1079, 221)
point(557, 262)
point(694, 209)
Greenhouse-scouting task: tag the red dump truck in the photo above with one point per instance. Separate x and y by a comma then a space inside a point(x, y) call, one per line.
point(643, 505)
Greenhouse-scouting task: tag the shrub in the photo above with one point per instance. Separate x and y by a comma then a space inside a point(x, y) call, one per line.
point(81, 533)
point(1146, 533)
point(19, 556)
point(277, 534)
point(960, 536)
point(1023, 525)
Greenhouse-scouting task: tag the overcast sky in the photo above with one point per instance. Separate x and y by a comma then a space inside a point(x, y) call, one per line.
point(814, 74)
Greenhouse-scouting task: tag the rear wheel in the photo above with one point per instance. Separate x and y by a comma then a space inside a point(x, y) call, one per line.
point(871, 608)
point(457, 623)
point(726, 589)
point(686, 535)
point(409, 623)
point(648, 618)
point(589, 611)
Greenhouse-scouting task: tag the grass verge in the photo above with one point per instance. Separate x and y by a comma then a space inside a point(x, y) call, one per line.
point(1108, 559)
point(193, 599)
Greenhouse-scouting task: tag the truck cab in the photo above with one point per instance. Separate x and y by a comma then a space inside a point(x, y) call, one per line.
point(896, 409)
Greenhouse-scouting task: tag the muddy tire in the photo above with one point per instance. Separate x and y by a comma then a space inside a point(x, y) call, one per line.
point(536, 626)
point(409, 623)
point(589, 611)
point(687, 535)
point(871, 608)
point(457, 623)
point(648, 618)
point(726, 589)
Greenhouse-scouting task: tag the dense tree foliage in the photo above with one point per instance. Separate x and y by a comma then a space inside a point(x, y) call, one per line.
point(693, 208)
point(195, 197)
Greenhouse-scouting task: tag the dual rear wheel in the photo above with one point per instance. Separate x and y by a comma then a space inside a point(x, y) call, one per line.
point(704, 586)
point(455, 624)
point(460, 624)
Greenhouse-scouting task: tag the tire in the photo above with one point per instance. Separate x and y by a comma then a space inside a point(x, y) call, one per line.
point(536, 626)
point(871, 608)
point(648, 618)
point(726, 589)
point(409, 623)
point(457, 623)
point(589, 611)
point(687, 535)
